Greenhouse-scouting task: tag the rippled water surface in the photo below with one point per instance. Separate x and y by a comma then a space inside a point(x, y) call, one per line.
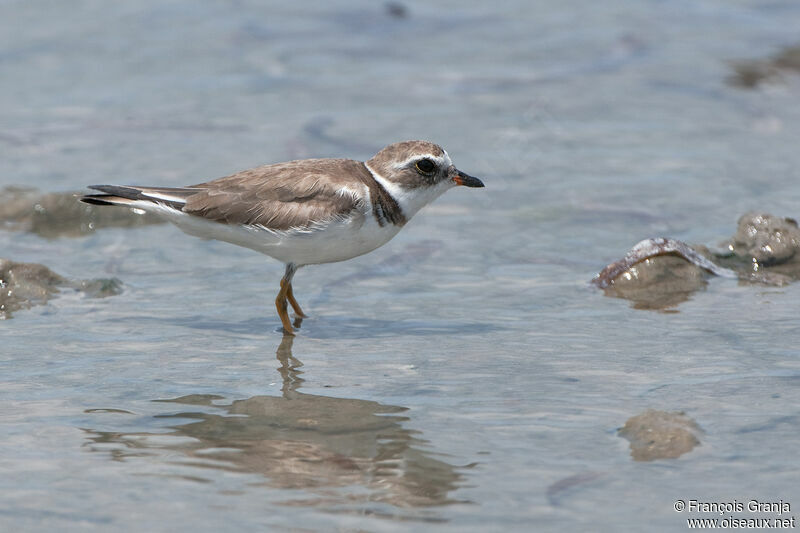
point(464, 377)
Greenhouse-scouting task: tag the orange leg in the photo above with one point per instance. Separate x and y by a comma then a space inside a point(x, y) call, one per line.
point(296, 306)
point(281, 305)
point(286, 297)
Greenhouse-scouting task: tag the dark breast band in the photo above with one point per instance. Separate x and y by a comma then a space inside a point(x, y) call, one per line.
point(385, 209)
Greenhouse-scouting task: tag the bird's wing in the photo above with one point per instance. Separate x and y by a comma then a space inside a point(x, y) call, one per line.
point(284, 196)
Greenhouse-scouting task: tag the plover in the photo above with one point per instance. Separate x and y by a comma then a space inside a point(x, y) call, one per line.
point(304, 212)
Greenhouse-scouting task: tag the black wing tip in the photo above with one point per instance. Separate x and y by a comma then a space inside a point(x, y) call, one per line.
point(115, 195)
point(126, 195)
point(101, 199)
point(94, 199)
point(123, 191)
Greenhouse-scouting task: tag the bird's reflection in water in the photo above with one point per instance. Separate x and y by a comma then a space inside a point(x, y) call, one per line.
point(332, 448)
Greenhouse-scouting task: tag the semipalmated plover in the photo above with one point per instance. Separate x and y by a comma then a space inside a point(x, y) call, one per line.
point(304, 212)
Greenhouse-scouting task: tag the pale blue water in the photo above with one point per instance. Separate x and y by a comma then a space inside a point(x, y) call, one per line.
point(462, 378)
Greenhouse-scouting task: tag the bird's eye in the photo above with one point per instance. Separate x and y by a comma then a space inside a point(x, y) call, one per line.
point(426, 166)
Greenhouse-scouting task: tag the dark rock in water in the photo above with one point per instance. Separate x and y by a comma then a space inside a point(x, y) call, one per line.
point(765, 249)
point(23, 285)
point(98, 288)
point(562, 488)
point(765, 239)
point(650, 248)
point(53, 215)
point(660, 435)
point(749, 74)
point(658, 283)
point(661, 273)
point(658, 274)
point(396, 10)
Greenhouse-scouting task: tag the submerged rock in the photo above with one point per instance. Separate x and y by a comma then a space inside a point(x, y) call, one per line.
point(749, 74)
point(23, 285)
point(651, 248)
point(658, 274)
point(658, 283)
point(53, 215)
point(565, 487)
point(661, 273)
point(765, 240)
point(660, 435)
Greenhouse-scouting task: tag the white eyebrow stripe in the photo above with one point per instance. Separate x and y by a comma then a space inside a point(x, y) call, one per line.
point(440, 160)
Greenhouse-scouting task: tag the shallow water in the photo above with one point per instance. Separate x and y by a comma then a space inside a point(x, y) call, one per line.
point(464, 376)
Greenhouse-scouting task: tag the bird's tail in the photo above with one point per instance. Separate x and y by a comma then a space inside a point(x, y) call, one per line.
point(130, 196)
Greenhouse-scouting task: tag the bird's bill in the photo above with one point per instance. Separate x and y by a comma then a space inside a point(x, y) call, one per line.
point(460, 178)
